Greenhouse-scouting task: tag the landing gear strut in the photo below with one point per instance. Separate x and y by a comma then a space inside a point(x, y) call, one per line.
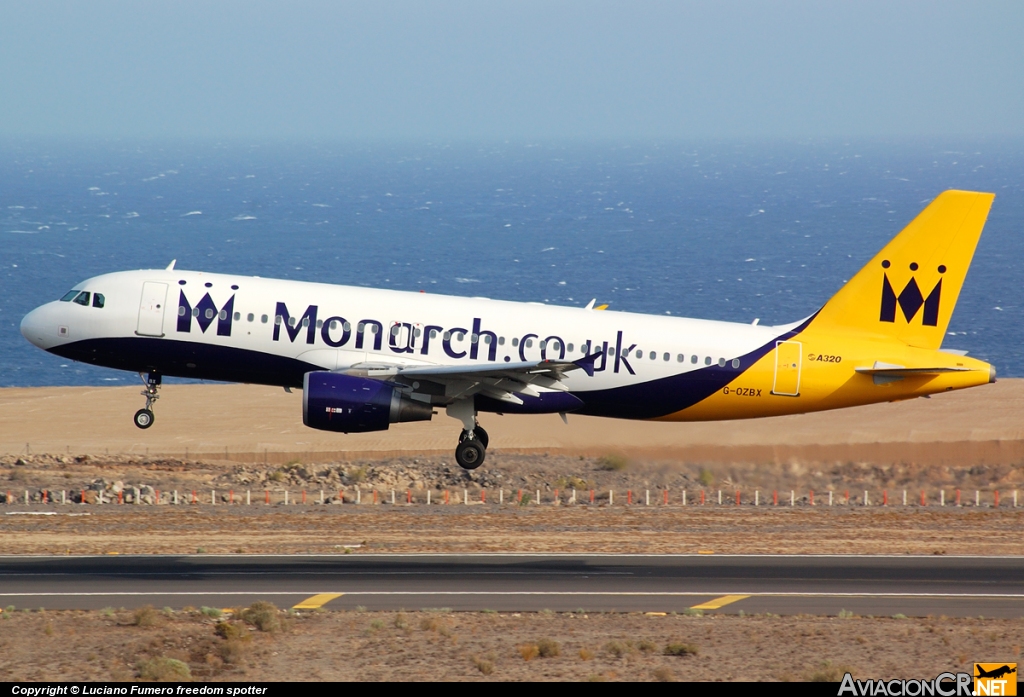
point(144, 417)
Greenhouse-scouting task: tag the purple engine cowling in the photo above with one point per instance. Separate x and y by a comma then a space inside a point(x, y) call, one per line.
point(348, 404)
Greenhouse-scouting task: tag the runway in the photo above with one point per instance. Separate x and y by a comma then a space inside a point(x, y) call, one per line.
point(784, 585)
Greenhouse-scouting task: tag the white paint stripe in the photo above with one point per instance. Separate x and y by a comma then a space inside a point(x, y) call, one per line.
point(752, 594)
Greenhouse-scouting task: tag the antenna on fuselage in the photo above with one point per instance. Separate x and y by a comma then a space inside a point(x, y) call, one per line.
point(170, 267)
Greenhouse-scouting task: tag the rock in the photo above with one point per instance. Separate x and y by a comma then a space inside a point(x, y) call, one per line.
point(117, 487)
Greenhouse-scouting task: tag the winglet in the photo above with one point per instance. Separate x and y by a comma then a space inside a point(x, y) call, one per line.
point(170, 267)
point(590, 305)
point(587, 363)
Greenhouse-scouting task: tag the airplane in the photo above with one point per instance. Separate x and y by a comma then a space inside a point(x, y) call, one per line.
point(368, 358)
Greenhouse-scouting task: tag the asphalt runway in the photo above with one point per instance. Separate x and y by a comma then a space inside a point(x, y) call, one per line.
point(784, 585)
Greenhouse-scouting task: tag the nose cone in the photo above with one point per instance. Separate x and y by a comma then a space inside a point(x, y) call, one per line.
point(40, 327)
point(991, 373)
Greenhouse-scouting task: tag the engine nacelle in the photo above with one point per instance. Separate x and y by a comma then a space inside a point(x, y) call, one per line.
point(336, 402)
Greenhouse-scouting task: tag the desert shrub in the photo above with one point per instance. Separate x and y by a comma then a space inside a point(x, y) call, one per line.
point(233, 650)
point(401, 622)
point(356, 474)
point(145, 616)
point(647, 646)
point(612, 463)
point(664, 674)
point(528, 651)
point(705, 477)
point(483, 665)
point(430, 624)
point(232, 630)
point(164, 669)
point(681, 649)
point(586, 654)
point(377, 624)
point(211, 612)
point(571, 483)
point(548, 648)
point(263, 616)
point(277, 476)
point(615, 648)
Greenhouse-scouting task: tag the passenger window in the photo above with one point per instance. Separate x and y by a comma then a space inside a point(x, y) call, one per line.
point(707, 360)
point(487, 338)
point(433, 333)
point(83, 298)
point(222, 315)
point(653, 355)
point(195, 311)
point(611, 350)
point(529, 343)
point(460, 336)
point(543, 345)
point(735, 362)
point(639, 353)
point(693, 359)
point(264, 319)
point(394, 330)
point(209, 313)
point(666, 357)
point(680, 358)
point(555, 346)
point(98, 300)
point(418, 332)
point(474, 338)
point(501, 341)
point(238, 316)
point(347, 327)
point(515, 341)
point(447, 336)
point(69, 296)
point(569, 348)
point(181, 311)
point(721, 362)
point(305, 322)
point(251, 317)
point(319, 323)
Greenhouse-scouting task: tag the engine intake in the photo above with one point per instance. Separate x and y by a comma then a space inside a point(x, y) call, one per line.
point(348, 404)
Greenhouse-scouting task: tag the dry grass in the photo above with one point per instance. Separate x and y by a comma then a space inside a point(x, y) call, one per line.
point(331, 645)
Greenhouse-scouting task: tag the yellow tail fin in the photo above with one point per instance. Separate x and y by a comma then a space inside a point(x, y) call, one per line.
point(909, 289)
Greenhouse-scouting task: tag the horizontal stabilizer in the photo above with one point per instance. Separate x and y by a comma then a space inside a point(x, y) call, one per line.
point(909, 372)
point(884, 373)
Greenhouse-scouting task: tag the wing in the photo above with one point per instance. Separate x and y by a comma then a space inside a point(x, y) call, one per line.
point(501, 381)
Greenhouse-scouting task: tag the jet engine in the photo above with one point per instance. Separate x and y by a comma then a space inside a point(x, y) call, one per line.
point(349, 404)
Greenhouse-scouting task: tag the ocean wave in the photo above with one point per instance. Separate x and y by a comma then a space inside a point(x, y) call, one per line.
point(185, 215)
point(244, 217)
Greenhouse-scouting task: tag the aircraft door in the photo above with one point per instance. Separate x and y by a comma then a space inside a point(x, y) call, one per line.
point(787, 368)
point(151, 309)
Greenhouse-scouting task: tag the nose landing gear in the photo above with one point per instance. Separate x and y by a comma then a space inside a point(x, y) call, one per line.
point(144, 417)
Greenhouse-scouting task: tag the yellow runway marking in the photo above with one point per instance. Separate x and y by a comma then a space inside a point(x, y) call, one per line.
point(719, 602)
point(318, 600)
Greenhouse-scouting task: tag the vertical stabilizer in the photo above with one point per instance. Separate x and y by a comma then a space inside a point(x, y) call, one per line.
point(908, 290)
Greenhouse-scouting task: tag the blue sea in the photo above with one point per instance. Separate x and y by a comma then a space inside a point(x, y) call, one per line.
point(731, 230)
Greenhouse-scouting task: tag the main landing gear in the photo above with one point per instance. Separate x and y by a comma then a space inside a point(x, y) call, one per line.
point(472, 448)
point(144, 417)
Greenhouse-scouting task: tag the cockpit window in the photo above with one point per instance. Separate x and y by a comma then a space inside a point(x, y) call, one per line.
point(69, 296)
point(98, 299)
point(83, 298)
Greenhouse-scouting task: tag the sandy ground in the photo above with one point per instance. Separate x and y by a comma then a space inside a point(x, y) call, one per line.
point(461, 529)
point(429, 646)
point(253, 423)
